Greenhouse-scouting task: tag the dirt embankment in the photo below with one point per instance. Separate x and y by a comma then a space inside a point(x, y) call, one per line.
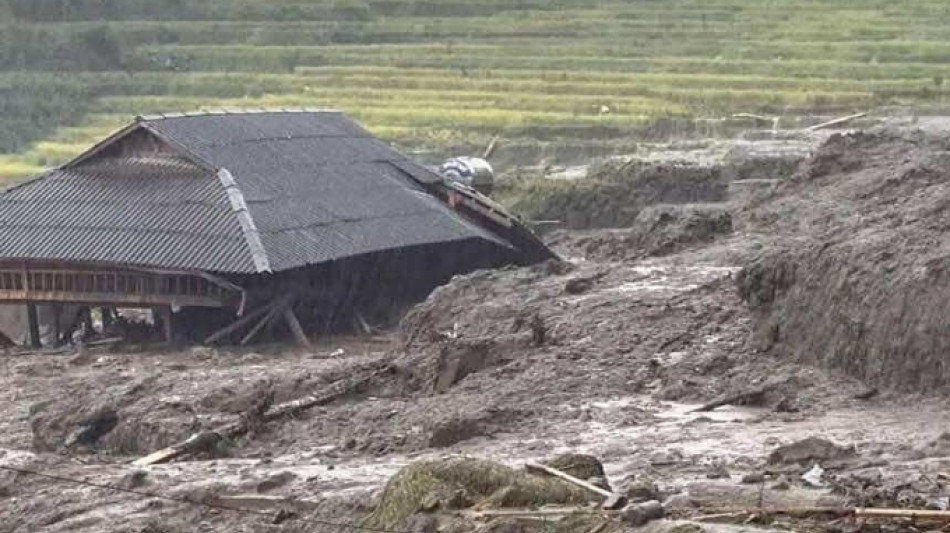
point(658, 230)
point(858, 276)
point(613, 195)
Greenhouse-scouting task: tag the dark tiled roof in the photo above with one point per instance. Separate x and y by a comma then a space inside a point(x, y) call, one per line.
point(258, 191)
point(140, 212)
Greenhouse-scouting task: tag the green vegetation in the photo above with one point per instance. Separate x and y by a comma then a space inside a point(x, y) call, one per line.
point(447, 75)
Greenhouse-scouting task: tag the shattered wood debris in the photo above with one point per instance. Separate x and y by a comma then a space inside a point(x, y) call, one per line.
point(205, 440)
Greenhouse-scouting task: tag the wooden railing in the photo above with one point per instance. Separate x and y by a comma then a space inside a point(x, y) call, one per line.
point(110, 286)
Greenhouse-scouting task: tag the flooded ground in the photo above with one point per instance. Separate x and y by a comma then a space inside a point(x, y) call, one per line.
point(610, 353)
point(566, 397)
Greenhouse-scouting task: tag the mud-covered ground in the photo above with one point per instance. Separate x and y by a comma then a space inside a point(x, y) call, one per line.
point(608, 353)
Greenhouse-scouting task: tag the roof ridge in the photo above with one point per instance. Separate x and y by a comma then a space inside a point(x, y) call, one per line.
point(234, 111)
point(251, 234)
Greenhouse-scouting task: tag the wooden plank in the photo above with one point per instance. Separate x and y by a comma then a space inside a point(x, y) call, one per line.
point(515, 513)
point(836, 122)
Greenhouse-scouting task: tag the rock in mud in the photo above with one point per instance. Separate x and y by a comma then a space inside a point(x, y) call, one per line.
point(753, 478)
point(453, 431)
point(679, 502)
point(438, 483)
point(276, 481)
point(500, 526)
point(578, 285)
point(666, 458)
point(866, 394)
point(638, 514)
point(810, 450)
point(93, 427)
point(718, 472)
point(134, 479)
point(782, 484)
point(581, 466)
point(422, 523)
point(642, 491)
point(461, 358)
point(688, 527)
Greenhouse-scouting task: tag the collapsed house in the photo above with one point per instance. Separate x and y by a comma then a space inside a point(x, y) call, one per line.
point(228, 226)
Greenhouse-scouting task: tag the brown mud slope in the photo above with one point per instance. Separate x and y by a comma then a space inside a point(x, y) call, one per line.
point(658, 230)
point(613, 195)
point(859, 276)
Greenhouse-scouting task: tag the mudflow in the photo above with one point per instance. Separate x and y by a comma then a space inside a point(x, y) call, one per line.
point(805, 307)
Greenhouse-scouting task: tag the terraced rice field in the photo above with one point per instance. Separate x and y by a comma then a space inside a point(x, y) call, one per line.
point(446, 76)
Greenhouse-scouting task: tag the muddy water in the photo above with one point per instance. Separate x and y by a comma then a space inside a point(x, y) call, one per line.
point(629, 428)
point(677, 438)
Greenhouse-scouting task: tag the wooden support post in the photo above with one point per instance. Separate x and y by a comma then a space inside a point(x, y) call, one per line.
point(276, 308)
point(238, 324)
point(295, 327)
point(57, 325)
point(86, 323)
point(34, 321)
point(165, 312)
point(106, 319)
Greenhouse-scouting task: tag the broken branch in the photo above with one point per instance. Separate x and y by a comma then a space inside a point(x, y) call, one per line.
point(200, 441)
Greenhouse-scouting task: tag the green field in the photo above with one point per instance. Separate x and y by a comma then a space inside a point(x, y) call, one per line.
point(447, 75)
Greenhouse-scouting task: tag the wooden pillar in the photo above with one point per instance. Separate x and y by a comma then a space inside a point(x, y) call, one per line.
point(165, 312)
point(57, 325)
point(106, 318)
point(34, 321)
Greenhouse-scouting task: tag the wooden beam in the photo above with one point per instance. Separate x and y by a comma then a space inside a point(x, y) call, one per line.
point(836, 122)
point(238, 324)
point(57, 325)
point(165, 312)
point(106, 318)
point(295, 327)
point(115, 299)
point(275, 309)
